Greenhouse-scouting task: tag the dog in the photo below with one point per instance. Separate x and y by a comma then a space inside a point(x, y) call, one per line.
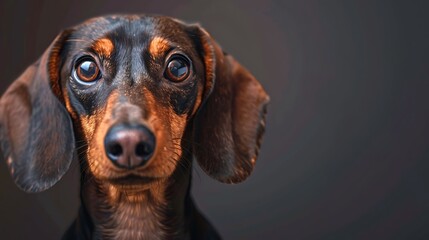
point(134, 99)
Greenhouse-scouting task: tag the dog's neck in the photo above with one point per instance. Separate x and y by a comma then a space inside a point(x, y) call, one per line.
point(158, 212)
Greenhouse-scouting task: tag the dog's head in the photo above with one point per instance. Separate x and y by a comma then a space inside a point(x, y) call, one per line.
point(121, 92)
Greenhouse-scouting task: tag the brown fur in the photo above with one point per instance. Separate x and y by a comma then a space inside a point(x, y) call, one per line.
point(104, 47)
point(158, 46)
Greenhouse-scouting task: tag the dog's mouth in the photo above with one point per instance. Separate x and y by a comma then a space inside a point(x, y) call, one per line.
point(132, 182)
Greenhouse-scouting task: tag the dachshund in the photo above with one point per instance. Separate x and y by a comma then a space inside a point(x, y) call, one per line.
point(134, 99)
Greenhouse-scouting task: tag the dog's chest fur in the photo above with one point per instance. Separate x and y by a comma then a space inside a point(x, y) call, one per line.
point(133, 221)
point(135, 215)
point(131, 215)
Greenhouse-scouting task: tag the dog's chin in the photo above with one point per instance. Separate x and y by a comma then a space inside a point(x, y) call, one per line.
point(134, 184)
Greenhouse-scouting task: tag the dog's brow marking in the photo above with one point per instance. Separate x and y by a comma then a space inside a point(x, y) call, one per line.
point(158, 45)
point(104, 46)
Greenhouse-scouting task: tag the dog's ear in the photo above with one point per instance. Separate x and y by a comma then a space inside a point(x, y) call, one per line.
point(36, 133)
point(230, 122)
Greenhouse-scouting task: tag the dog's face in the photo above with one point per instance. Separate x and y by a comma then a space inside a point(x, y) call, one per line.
point(140, 76)
point(131, 95)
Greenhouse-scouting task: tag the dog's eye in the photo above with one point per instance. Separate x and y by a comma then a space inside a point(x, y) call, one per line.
point(87, 71)
point(177, 68)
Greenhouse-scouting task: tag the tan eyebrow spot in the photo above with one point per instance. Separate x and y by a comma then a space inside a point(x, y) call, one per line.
point(158, 45)
point(104, 46)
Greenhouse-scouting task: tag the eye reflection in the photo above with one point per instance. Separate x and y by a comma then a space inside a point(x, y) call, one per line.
point(177, 69)
point(87, 71)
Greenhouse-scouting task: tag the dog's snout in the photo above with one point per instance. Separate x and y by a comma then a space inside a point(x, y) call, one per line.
point(129, 146)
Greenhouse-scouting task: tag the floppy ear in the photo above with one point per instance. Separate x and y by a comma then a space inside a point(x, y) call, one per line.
point(36, 134)
point(229, 125)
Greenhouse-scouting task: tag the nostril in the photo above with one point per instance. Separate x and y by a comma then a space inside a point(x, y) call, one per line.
point(115, 150)
point(143, 150)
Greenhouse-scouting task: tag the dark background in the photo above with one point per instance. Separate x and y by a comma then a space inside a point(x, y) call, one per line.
point(345, 155)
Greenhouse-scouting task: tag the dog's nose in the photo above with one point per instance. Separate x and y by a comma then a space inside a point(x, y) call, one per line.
point(129, 146)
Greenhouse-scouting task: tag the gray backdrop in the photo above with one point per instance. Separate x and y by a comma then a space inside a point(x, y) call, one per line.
point(345, 155)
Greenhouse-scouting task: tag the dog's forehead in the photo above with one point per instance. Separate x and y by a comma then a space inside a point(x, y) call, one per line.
point(130, 27)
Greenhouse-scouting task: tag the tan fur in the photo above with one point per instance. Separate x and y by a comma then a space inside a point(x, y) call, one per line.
point(134, 215)
point(104, 46)
point(69, 106)
point(95, 132)
point(157, 46)
point(167, 152)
